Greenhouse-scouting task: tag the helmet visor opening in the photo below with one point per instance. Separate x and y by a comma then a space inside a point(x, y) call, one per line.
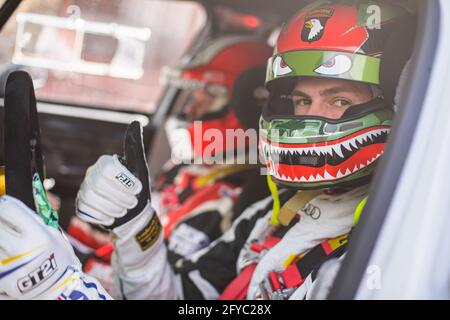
point(281, 104)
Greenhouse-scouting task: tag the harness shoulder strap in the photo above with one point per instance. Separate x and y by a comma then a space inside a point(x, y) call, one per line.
point(280, 284)
point(237, 289)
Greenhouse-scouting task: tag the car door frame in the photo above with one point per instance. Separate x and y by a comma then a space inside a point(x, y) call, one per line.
point(387, 200)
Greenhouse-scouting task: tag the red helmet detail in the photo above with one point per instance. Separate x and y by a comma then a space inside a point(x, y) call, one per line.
point(332, 28)
point(228, 63)
point(200, 142)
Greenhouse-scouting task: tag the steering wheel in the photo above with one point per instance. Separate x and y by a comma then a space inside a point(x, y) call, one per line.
point(23, 157)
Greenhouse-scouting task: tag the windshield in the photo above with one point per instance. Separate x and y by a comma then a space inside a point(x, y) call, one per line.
point(101, 53)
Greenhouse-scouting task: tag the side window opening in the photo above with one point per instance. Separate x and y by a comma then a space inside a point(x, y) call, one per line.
point(98, 54)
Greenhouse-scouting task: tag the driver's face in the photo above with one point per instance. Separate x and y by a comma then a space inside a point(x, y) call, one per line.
point(328, 98)
point(198, 105)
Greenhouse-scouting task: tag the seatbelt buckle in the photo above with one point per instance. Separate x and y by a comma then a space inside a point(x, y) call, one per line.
point(273, 288)
point(249, 257)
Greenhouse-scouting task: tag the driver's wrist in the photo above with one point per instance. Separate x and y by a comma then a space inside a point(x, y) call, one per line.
point(137, 241)
point(139, 227)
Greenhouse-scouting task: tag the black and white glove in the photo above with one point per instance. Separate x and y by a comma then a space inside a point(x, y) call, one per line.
point(115, 194)
point(115, 189)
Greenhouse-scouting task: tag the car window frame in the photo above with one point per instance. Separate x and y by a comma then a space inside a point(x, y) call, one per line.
point(382, 190)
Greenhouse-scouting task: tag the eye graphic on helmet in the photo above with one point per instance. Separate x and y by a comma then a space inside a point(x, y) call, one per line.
point(280, 67)
point(337, 65)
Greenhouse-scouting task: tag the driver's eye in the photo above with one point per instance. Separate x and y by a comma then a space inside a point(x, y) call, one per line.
point(301, 102)
point(342, 103)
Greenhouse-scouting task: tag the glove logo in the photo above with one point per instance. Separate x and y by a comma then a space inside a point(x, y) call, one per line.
point(148, 236)
point(37, 276)
point(125, 180)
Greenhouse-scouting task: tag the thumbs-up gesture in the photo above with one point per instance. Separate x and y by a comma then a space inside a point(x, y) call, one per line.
point(115, 189)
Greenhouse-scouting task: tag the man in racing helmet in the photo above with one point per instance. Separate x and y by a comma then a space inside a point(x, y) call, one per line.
point(323, 130)
point(326, 123)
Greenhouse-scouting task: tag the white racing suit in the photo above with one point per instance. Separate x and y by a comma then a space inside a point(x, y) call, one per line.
point(147, 274)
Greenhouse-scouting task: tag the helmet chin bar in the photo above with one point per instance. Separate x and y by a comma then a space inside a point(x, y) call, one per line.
point(334, 188)
point(318, 153)
point(329, 164)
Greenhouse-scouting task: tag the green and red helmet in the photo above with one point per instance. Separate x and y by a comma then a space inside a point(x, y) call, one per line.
point(342, 40)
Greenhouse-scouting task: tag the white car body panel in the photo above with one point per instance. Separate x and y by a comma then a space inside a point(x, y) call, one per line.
point(411, 259)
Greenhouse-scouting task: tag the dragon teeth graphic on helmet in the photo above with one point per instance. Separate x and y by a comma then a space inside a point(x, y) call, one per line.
point(346, 145)
point(352, 143)
point(334, 150)
point(321, 151)
point(360, 139)
point(368, 137)
point(329, 150)
point(337, 149)
point(328, 176)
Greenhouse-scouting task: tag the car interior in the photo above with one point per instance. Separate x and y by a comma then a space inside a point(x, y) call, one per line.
point(88, 94)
